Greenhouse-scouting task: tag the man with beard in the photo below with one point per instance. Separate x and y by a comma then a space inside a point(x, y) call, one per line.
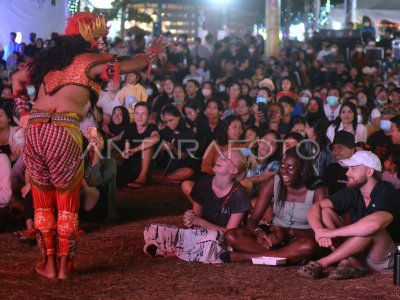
point(368, 242)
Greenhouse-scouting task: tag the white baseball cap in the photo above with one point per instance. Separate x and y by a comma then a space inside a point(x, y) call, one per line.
point(366, 158)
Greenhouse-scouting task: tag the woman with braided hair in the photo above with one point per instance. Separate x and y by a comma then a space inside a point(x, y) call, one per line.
point(292, 193)
point(66, 76)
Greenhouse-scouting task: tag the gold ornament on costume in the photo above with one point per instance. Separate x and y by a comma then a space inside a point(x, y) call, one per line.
point(96, 30)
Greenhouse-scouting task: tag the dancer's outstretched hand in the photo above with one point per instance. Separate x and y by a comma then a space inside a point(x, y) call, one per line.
point(157, 47)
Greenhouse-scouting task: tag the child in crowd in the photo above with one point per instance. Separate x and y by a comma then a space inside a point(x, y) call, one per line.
point(132, 92)
point(258, 76)
point(391, 168)
point(251, 134)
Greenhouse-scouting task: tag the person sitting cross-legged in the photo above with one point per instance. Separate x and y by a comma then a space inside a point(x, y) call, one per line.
point(294, 191)
point(220, 202)
point(374, 208)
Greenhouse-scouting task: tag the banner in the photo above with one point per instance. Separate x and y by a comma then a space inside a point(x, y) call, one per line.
point(25, 16)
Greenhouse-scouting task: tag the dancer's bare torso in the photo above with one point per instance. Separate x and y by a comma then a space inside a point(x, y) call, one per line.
point(71, 98)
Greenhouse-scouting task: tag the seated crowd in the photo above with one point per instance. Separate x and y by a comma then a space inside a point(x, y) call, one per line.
point(296, 156)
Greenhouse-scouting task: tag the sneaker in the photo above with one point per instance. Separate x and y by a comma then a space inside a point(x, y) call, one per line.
point(153, 251)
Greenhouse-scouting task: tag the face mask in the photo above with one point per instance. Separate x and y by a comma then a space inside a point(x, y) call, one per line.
point(359, 119)
point(158, 86)
point(367, 24)
point(261, 99)
point(332, 100)
point(334, 50)
point(30, 89)
point(179, 102)
point(309, 51)
point(252, 50)
point(304, 100)
point(222, 88)
point(385, 125)
point(149, 91)
point(206, 92)
point(359, 50)
point(381, 101)
point(362, 101)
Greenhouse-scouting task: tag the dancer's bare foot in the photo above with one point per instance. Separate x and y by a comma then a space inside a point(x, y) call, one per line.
point(48, 268)
point(63, 271)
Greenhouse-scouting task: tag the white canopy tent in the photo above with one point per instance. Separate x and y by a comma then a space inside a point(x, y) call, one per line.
point(25, 16)
point(377, 10)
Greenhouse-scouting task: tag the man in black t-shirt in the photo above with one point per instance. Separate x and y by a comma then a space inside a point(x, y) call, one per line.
point(343, 147)
point(374, 208)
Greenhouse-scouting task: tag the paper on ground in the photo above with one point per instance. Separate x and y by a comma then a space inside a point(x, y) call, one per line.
point(267, 260)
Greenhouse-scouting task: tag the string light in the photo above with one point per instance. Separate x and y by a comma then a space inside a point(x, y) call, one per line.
point(324, 14)
point(73, 6)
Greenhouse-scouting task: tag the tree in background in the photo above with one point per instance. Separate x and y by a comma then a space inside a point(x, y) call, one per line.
point(126, 11)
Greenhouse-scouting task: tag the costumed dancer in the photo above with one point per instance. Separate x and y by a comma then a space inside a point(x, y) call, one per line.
point(66, 76)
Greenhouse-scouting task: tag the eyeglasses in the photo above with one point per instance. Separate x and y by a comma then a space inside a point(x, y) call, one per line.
point(287, 167)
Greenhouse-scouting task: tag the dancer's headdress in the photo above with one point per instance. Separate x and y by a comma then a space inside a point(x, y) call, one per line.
point(89, 25)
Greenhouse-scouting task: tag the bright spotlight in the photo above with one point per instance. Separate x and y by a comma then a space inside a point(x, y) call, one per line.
point(297, 31)
point(102, 4)
point(336, 25)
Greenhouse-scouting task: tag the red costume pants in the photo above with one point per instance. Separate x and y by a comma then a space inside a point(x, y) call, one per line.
point(53, 156)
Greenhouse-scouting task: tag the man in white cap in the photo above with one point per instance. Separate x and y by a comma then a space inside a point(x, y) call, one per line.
point(374, 209)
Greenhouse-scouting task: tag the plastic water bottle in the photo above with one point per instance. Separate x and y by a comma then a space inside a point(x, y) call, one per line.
point(396, 267)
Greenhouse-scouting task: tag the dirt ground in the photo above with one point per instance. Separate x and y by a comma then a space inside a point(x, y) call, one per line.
point(111, 264)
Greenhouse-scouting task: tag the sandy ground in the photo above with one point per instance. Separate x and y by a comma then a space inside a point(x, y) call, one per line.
point(111, 264)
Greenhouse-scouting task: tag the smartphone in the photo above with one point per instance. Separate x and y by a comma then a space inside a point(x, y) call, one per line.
point(261, 104)
point(91, 132)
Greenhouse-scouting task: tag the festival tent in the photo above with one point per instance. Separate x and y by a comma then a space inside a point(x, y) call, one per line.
point(25, 16)
point(377, 10)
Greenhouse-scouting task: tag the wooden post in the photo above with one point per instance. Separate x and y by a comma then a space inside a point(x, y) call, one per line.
point(272, 25)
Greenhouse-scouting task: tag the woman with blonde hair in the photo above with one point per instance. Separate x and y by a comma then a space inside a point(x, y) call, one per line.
point(220, 202)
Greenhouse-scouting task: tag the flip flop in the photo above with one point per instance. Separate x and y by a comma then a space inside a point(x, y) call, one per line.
point(136, 184)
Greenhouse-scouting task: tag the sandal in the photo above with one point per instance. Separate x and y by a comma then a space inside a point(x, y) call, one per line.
point(345, 271)
point(312, 270)
point(136, 184)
